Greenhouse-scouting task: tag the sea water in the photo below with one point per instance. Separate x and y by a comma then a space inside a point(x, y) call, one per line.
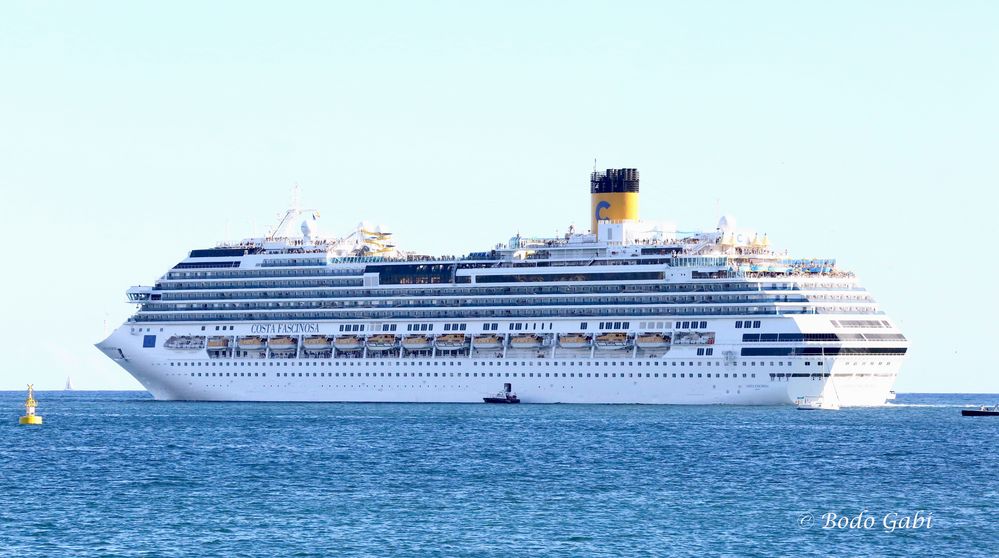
point(118, 474)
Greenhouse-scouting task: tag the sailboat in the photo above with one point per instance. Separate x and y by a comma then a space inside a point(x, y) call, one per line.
point(69, 384)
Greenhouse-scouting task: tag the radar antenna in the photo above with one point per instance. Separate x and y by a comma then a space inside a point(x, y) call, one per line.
point(289, 216)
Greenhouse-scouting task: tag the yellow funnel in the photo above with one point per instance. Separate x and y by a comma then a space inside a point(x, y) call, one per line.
point(613, 196)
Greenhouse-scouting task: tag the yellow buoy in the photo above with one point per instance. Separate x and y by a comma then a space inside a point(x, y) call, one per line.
point(29, 409)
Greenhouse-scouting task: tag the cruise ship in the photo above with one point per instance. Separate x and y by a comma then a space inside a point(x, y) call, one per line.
point(631, 311)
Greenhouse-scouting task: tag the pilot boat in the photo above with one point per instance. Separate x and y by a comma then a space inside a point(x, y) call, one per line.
point(982, 411)
point(505, 396)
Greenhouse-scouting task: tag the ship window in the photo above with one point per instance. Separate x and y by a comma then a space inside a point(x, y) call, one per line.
point(704, 325)
point(148, 341)
point(756, 324)
point(686, 325)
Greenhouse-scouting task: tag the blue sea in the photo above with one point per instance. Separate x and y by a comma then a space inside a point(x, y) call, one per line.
point(118, 474)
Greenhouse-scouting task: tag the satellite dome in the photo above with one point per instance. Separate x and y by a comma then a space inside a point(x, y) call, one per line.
point(309, 228)
point(726, 223)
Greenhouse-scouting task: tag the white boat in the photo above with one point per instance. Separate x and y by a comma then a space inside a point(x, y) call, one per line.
point(251, 343)
point(684, 317)
point(383, 342)
point(282, 343)
point(487, 341)
point(348, 343)
point(185, 342)
point(451, 342)
point(816, 404)
point(417, 342)
point(218, 343)
point(69, 384)
point(526, 341)
point(317, 343)
point(612, 341)
point(574, 341)
point(652, 341)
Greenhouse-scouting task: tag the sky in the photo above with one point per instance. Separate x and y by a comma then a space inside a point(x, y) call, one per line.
point(133, 132)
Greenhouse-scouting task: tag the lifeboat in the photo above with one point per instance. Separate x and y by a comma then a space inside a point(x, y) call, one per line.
point(417, 342)
point(185, 342)
point(451, 342)
point(282, 343)
point(382, 342)
point(348, 343)
point(251, 343)
point(612, 341)
point(218, 343)
point(573, 341)
point(317, 343)
point(526, 341)
point(487, 341)
point(653, 341)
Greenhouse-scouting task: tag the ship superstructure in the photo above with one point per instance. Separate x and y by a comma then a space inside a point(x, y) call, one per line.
point(629, 312)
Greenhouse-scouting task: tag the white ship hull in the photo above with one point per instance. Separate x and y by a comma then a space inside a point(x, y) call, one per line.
point(623, 377)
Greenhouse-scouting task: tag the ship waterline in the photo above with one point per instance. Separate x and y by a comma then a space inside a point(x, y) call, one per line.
point(634, 313)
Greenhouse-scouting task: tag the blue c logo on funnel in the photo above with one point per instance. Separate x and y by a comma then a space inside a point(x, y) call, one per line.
point(603, 204)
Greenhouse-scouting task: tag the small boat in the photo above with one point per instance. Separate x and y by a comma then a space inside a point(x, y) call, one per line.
point(417, 342)
point(218, 343)
point(251, 343)
point(451, 342)
point(487, 341)
point(653, 341)
point(612, 341)
point(348, 343)
point(815, 404)
point(282, 343)
point(317, 343)
point(69, 384)
point(383, 342)
point(505, 396)
point(526, 341)
point(982, 411)
point(574, 341)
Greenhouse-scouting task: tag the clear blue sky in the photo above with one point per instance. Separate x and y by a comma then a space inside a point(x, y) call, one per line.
point(133, 132)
